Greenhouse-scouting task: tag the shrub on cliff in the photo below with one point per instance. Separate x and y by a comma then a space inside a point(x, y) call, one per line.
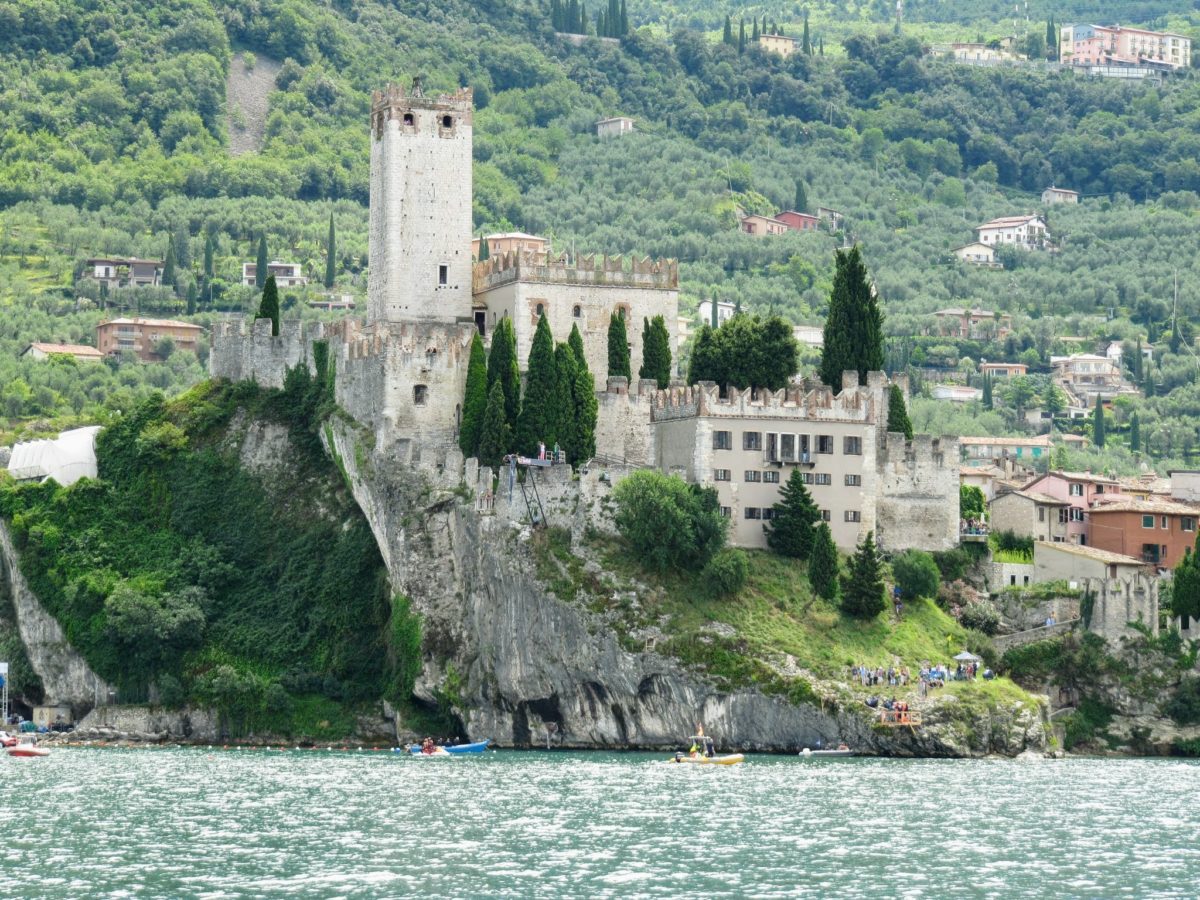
point(668, 523)
point(981, 615)
point(916, 574)
point(726, 573)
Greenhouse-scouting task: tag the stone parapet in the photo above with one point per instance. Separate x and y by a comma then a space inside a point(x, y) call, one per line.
point(530, 265)
point(801, 402)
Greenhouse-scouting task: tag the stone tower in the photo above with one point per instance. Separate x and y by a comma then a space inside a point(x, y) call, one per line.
point(420, 258)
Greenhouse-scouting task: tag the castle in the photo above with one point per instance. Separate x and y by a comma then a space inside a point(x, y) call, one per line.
point(401, 373)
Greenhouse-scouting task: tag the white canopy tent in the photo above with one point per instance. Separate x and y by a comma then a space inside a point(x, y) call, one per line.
point(66, 459)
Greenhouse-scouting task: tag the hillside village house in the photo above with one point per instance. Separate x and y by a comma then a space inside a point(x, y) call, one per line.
point(1085, 376)
point(1025, 232)
point(809, 335)
point(1154, 531)
point(40, 350)
point(982, 477)
point(116, 272)
point(973, 52)
point(1082, 491)
point(956, 393)
point(614, 127)
point(1099, 45)
point(332, 302)
point(761, 226)
point(1002, 370)
point(725, 311)
point(975, 324)
point(798, 221)
point(1053, 195)
point(286, 274)
point(832, 216)
point(1073, 562)
point(510, 240)
point(978, 254)
point(1023, 450)
point(778, 43)
point(1029, 514)
point(1150, 486)
point(142, 336)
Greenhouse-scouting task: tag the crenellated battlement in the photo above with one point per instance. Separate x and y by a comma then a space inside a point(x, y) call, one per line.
point(924, 451)
point(395, 96)
point(809, 400)
point(550, 268)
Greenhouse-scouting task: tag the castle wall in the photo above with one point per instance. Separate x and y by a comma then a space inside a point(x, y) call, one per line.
point(584, 293)
point(623, 432)
point(918, 494)
point(1118, 601)
point(420, 213)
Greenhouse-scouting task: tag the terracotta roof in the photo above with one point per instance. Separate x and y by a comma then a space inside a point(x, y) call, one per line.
point(1037, 497)
point(152, 323)
point(1078, 476)
point(1005, 221)
point(1158, 507)
point(73, 349)
point(1042, 441)
point(1095, 553)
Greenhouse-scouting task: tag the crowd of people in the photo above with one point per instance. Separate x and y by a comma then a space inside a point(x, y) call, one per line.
point(929, 677)
point(972, 526)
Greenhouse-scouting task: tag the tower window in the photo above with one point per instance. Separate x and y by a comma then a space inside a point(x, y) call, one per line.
point(577, 312)
point(447, 122)
point(443, 274)
point(408, 119)
point(420, 394)
point(540, 310)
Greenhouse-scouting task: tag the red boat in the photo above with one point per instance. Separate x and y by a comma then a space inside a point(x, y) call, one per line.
point(28, 749)
point(7, 740)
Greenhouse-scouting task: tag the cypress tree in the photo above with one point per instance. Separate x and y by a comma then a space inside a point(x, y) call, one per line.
point(586, 411)
point(168, 273)
point(656, 352)
point(539, 418)
point(763, 30)
point(898, 420)
point(260, 265)
point(801, 197)
point(474, 398)
point(624, 29)
point(583, 17)
point(209, 250)
point(556, 15)
point(823, 563)
point(502, 367)
point(1135, 433)
point(562, 405)
point(821, 45)
point(1098, 422)
point(495, 436)
point(727, 37)
point(600, 25)
point(704, 362)
point(741, 45)
point(191, 298)
point(575, 341)
point(805, 43)
point(183, 247)
point(1137, 363)
point(862, 592)
point(485, 250)
point(618, 347)
point(754, 33)
point(987, 392)
point(268, 306)
point(791, 530)
point(1051, 39)
point(854, 325)
point(330, 254)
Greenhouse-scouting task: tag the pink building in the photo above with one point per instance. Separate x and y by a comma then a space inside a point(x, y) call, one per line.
point(1082, 491)
point(1098, 45)
point(798, 221)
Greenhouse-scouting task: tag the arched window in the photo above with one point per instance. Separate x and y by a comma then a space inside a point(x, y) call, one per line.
point(540, 310)
point(447, 121)
point(577, 312)
point(408, 119)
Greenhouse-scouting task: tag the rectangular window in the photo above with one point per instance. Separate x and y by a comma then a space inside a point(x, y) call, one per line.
point(770, 477)
point(853, 481)
point(1076, 490)
point(1041, 514)
point(806, 477)
point(721, 475)
point(1164, 522)
point(824, 515)
point(852, 446)
point(726, 512)
point(751, 440)
point(1187, 523)
point(768, 513)
point(787, 447)
point(443, 274)
point(722, 440)
point(751, 476)
point(753, 512)
point(823, 478)
point(853, 515)
point(772, 447)
point(1147, 521)
point(1076, 514)
point(824, 443)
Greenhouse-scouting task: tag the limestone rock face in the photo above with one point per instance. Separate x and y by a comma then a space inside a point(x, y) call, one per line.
point(527, 667)
point(66, 677)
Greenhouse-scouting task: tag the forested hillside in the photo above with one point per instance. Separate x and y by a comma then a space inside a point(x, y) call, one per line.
point(116, 141)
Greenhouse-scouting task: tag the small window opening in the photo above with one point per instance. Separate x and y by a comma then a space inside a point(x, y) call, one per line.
point(540, 310)
point(443, 274)
point(577, 312)
point(408, 119)
point(420, 394)
point(447, 121)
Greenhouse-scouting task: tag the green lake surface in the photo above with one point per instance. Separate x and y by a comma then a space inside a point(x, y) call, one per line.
point(271, 823)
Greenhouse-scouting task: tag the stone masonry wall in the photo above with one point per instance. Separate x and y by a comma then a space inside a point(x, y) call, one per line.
point(917, 506)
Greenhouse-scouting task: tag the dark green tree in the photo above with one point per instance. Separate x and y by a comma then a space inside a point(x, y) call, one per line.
point(1051, 40)
point(1098, 422)
point(502, 367)
point(823, 563)
point(656, 351)
point(1138, 363)
point(863, 590)
point(897, 419)
point(168, 273)
point(183, 247)
point(495, 435)
point(330, 254)
point(618, 347)
point(1135, 433)
point(268, 306)
point(745, 352)
point(562, 404)
point(801, 197)
point(260, 265)
point(916, 574)
point(821, 45)
point(806, 43)
point(972, 504)
point(988, 403)
point(209, 250)
point(741, 45)
point(539, 418)
point(791, 530)
point(754, 32)
point(474, 399)
point(485, 250)
point(191, 298)
point(623, 29)
point(727, 37)
point(854, 325)
point(1185, 586)
point(575, 341)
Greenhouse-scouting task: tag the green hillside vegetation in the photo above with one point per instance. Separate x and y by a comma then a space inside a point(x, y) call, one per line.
point(182, 571)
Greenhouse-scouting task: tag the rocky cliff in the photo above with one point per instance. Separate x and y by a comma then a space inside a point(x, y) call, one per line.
point(518, 664)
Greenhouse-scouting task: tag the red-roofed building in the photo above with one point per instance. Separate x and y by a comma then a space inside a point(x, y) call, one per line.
point(142, 336)
point(1026, 232)
point(82, 352)
point(1154, 531)
point(798, 221)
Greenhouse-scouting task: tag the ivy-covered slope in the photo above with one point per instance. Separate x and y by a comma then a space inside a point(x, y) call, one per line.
point(258, 588)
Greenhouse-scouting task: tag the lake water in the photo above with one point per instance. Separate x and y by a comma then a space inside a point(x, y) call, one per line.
point(197, 823)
